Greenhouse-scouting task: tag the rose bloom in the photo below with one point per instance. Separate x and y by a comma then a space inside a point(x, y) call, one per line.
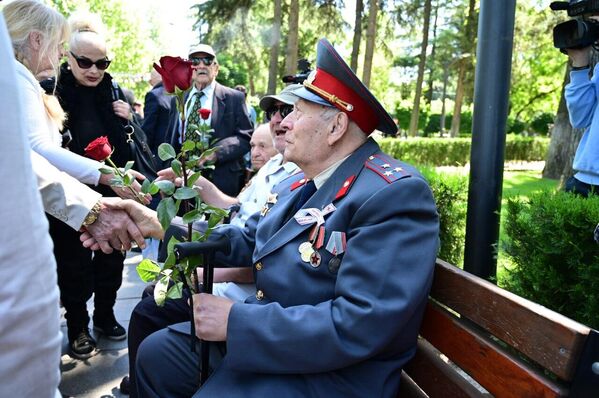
point(99, 149)
point(175, 72)
point(204, 113)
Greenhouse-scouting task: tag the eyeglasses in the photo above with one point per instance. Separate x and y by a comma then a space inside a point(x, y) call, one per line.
point(283, 110)
point(195, 61)
point(86, 63)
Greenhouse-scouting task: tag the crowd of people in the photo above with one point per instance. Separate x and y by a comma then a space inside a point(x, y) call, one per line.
point(333, 241)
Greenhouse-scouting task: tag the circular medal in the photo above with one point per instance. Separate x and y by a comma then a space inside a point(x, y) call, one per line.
point(306, 254)
point(334, 264)
point(304, 247)
point(315, 259)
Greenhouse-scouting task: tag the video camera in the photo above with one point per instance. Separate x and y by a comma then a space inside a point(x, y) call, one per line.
point(303, 65)
point(576, 33)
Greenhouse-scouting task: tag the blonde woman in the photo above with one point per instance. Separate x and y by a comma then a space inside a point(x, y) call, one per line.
point(38, 35)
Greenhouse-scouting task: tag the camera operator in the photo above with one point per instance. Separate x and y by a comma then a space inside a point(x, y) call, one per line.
point(581, 99)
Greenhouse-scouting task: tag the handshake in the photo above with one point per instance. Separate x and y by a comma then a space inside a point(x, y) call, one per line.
point(119, 223)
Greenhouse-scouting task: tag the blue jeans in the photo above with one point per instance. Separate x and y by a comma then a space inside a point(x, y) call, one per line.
point(578, 187)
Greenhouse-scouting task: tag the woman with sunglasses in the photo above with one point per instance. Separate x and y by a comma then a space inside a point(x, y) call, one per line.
point(85, 92)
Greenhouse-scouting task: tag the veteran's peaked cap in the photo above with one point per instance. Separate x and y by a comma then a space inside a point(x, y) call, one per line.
point(333, 83)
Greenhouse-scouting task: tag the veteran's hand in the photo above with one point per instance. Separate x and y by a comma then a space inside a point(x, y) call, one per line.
point(211, 316)
point(169, 175)
point(113, 229)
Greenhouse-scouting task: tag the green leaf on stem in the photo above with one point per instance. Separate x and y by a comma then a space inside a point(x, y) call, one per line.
point(116, 181)
point(106, 170)
point(175, 291)
point(128, 166)
point(193, 178)
point(167, 210)
point(185, 193)
point(127, 180)
point(148, 270)
point(192, 216)
point(176, 166)
point(161, 289)
point(167, 187)
point(192, 127)
point(188, 145)
point(191, 163)
point(149, 187)
point(166, 152)
point(213, 220)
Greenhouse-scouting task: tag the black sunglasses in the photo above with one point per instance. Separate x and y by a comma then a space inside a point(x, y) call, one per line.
point(86, 63)
point(283, 110)
point(195, 61)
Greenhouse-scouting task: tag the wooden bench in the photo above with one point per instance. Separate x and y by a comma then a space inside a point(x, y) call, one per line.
point(512, 347)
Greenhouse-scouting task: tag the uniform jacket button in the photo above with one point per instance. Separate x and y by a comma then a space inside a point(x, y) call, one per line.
point(258, 266)
point(259, 295)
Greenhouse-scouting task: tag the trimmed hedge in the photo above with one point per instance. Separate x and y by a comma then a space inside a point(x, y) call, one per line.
point(451, 196)
point(456, 151)
point(550, 241)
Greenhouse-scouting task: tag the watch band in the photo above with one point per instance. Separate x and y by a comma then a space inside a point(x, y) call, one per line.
point(93, 214)
point(580, 67)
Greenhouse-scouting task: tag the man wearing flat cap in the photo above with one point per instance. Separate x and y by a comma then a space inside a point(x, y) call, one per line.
point(343, 260)
point(228, 117)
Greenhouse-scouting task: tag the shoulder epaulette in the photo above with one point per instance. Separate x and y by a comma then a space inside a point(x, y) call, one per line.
point(388, 168)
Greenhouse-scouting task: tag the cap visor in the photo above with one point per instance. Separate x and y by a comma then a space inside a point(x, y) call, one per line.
point(268, 101)
point(307, 95)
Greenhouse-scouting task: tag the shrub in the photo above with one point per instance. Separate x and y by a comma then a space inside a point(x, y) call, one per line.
point(556, 261)
point(456, 151)
point(515, 126)
point(450, 192)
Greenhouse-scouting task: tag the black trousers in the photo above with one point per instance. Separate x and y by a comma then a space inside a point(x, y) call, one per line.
point(148, 318)
point(82, 273)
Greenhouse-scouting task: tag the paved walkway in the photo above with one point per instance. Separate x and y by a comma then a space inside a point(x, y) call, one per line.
point(100, 375)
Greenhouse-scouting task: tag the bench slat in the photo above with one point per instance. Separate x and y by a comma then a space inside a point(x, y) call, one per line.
point(480, 359)
point(548, 338)
point(409, 389)
point(436, 378)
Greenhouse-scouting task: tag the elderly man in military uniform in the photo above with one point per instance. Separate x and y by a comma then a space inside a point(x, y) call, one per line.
point(343, 258)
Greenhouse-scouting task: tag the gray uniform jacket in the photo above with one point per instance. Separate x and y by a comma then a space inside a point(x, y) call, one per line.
point(337, 328)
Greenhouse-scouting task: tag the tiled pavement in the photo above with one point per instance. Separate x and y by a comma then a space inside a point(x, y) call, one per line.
point(100, 375)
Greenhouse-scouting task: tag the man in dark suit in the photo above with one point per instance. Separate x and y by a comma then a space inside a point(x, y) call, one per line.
point(343, 257)
point(157, 107)
point(228, 117)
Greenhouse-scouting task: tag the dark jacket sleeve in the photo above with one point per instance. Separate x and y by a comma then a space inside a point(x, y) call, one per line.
point(151, 119)
point(237, 143)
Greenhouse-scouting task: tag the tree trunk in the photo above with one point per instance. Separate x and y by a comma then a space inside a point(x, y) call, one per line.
point(465, 63)
point(274, 43)
point(443, 97)
point(429, 93)
point(355, 51)
point(292, 39)
point(459, 97)
point(416, 108)
point(370, 41)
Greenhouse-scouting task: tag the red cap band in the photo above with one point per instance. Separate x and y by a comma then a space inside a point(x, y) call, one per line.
point(364, 116)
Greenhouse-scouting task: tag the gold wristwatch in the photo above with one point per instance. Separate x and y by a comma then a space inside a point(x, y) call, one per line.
point(93, 214)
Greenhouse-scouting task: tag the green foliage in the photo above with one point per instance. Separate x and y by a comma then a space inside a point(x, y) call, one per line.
point(456, 151)
point(541, 123)
point(450, 192)
point(515, 126)
point(550, 240)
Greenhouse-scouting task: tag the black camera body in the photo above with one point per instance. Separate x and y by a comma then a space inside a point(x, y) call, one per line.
point(303, 65)
point(577, 33)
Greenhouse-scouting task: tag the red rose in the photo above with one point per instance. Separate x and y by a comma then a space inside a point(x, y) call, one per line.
point(204, 113)
point(99, 149)
point(175, 72)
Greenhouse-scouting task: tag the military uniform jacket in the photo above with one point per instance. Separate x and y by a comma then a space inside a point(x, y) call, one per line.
point(326, 331)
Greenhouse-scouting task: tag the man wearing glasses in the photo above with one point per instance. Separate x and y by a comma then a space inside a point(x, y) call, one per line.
point(228, 117)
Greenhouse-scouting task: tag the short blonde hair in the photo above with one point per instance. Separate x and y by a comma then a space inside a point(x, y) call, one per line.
point(86, 26)
point(26, 16)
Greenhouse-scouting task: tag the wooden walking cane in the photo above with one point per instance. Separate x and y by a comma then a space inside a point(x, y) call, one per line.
point(207, 250)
